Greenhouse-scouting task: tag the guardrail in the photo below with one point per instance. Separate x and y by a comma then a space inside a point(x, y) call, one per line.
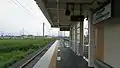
point(101, 64)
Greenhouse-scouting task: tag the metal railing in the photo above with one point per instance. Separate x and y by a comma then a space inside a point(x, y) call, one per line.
point(86, 51)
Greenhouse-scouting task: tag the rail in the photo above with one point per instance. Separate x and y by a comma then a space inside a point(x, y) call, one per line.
point(27, 62)
point(31, 59)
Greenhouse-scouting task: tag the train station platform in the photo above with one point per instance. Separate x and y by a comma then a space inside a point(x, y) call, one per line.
point(69, 59)
point(59, 56)
point(46, 60)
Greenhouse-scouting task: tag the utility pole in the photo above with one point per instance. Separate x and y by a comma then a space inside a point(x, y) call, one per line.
point(43, 29)
point(37, 34)
point(43, 32)
point(58, 33)
point(50, 32)
point(23, 31)
point(64, 33)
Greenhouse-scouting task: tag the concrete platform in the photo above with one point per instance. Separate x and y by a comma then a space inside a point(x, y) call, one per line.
point(70, 60)
point(46, 60)
point(59, 56)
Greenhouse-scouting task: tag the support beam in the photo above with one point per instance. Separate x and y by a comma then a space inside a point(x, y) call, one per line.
point(41, 5)
point(81, 38)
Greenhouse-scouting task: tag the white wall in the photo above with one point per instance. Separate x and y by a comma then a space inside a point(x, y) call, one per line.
point(112, 43)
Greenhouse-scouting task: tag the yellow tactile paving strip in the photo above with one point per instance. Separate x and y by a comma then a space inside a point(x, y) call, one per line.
point(48, 60)
point(53, 59)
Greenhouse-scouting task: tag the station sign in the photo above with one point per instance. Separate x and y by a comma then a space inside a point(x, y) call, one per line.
point(77, 18)
point(65, 29)
point(102, 14)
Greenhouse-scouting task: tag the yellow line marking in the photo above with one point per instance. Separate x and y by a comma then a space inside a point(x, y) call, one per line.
point(53, 60)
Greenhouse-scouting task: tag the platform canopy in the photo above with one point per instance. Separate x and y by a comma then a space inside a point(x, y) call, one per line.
point(54, 10)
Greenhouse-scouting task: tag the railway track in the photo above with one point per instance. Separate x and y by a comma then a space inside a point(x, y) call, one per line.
point(32, 61)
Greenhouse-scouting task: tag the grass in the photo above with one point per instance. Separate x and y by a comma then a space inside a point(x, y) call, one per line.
point(14, 50)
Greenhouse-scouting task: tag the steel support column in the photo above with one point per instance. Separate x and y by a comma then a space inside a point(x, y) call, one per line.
point(71, 38)
point(76, 38)
point(91, 41)
point(81, 38)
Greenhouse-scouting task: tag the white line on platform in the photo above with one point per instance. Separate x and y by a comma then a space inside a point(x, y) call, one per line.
point(58, 50)
point(67, 46)
point(85, 58)
point(58, 58)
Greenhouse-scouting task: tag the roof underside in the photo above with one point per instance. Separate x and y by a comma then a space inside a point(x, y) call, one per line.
point(50, 10)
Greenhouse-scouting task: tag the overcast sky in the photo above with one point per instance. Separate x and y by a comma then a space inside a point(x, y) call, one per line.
point(18, 16)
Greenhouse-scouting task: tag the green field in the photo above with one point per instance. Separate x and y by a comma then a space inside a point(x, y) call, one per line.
point(14, 50)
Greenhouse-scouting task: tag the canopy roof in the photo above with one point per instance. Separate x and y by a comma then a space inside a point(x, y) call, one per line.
point(54, 10)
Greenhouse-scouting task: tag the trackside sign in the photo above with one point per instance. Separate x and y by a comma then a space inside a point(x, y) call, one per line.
point(102, 14)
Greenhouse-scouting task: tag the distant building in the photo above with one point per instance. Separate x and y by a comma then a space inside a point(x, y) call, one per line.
point(16, 37)
point(23, 36)
point(30, 36)
point(7, 37)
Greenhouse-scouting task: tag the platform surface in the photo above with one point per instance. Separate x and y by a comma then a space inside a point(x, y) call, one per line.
point(45, 60)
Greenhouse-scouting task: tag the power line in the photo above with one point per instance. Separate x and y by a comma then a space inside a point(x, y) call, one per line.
point(20, 5)
point(15, 3)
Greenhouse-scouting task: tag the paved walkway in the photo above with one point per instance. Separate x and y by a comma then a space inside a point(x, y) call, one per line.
point(70, 60)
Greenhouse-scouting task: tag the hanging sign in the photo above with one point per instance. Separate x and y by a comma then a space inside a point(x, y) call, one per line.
point(65, 29)
point(102, 14)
